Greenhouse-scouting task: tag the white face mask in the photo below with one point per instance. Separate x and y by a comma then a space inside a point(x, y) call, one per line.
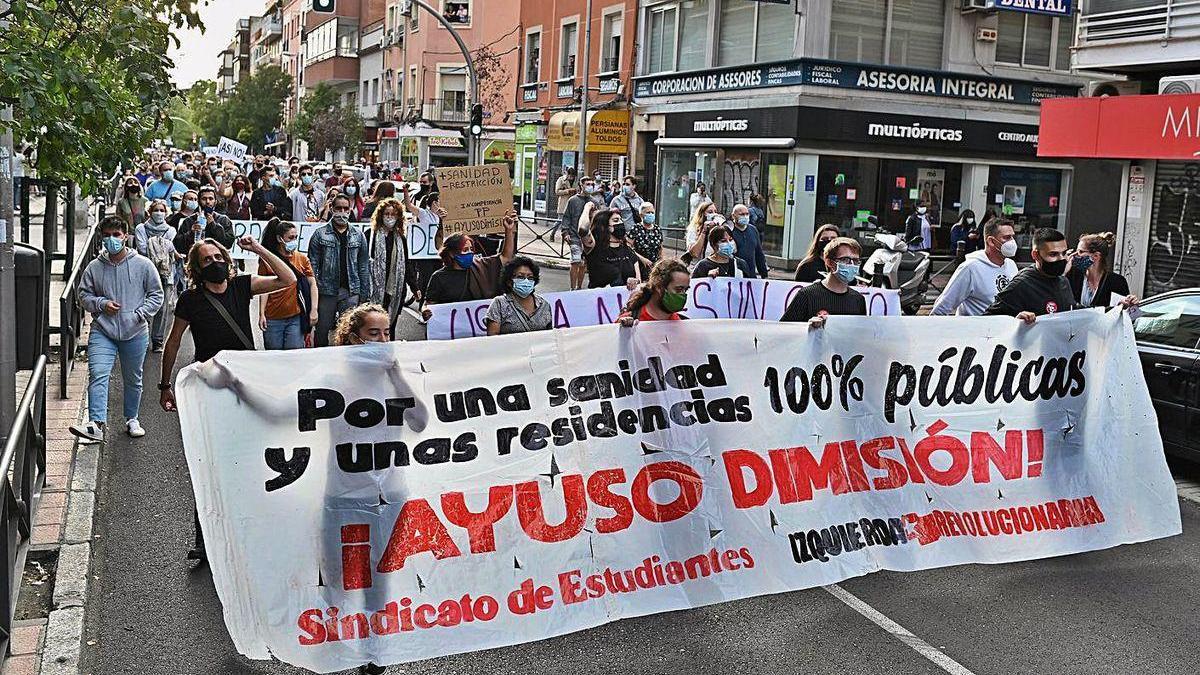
point(1009, 248)
point(970, 221)
point(389, 222)
point(921, 210)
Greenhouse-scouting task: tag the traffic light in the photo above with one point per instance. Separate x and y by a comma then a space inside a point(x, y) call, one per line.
point(324, 6)
point(476, 126)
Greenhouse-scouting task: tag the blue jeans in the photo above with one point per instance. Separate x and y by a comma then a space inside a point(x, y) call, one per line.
point(284, 334)
point(102, 353)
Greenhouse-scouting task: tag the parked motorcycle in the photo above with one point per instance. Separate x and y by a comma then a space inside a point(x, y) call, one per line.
point(893, 265)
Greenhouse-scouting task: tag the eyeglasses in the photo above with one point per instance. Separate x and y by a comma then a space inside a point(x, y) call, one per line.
point(847, 260)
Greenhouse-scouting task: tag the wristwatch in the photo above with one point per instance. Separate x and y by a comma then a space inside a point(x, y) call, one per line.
point(164, 386)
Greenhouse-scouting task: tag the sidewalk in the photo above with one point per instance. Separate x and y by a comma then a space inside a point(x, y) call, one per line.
point(49, 619)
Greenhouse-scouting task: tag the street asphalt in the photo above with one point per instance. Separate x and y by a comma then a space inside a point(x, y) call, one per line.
point(1131, 609)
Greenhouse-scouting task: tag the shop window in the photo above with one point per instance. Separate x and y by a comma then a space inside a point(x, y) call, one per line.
point(859, 32)
point(457, 11)
point(1173, 257)
point(568, 48)
point(533, 57)
point(610, 53)
point(681, 172)
point(1034, 40)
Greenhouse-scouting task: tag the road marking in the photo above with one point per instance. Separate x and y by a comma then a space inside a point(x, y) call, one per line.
point(897, 631)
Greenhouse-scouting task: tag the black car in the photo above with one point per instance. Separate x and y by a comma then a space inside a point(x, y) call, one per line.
point(1168, 338)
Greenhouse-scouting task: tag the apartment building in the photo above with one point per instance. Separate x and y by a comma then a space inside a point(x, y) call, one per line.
point(835, 111)
point(266, 37)
point(554, 48)
point(234, 60)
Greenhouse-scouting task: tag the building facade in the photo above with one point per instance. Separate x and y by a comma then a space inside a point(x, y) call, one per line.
point(235, 60)
point(266, 37)
point(837, 111)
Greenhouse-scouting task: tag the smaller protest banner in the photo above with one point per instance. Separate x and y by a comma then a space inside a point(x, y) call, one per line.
point(421, 240)
point(209, 151)
point(255, 228)
point(231, 149)
point(475, 197)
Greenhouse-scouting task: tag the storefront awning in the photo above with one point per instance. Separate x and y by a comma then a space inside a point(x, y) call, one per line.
point(608, 131)
point(1121, 127)
point(726, 142)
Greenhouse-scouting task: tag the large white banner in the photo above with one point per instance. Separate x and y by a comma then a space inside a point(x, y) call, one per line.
point(720, 298)
point(255, 228)
point(396, 502)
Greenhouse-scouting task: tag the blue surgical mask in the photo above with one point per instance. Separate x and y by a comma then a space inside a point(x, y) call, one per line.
point(465, 260)
point(191, 204)
point(847, 273)
point(275, 183)
point(1083, 262)
point(627, 189)
point(743, 221)
point(291, 245)
point(158, 217)
point(114, 245)
point(523, 287)
point(350, 190)
point(307, 180)
point(168, 176)
point(648, 218)
point(727, 248)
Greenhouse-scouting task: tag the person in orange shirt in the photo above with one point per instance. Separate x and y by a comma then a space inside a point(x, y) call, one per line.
point(287, 316)
point(662, 297)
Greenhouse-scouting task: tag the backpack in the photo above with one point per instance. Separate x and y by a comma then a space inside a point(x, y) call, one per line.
point(161, 252)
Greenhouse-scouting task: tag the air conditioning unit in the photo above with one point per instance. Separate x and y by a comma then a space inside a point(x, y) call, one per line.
point(1184, 84)
point(978, 6)
point(1113, 88)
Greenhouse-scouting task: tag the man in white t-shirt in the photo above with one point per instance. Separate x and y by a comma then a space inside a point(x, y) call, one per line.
point(985, 273)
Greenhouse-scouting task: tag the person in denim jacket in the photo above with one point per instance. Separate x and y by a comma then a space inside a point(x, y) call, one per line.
point(339, 257)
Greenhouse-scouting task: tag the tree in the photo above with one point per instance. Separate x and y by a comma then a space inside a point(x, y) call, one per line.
point(253, 110)
point(89, 81)
point(326, 125)
point(494, 79)
point(186, 112)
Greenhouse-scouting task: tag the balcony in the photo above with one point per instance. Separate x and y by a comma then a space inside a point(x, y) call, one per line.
point(450, 109)
point(333, 66)
point(268, 29)
point(1149, 36)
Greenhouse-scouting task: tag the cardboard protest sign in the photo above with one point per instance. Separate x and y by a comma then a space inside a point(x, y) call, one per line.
point(383, 503)
point(475, 197)
point(231, 149)
point(720, 298)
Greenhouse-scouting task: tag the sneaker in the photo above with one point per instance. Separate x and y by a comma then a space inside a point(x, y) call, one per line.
point(90, 433)
point(134, 428)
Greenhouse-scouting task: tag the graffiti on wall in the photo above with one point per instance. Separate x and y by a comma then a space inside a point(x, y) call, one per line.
point(741, 181)
point(1171, 261)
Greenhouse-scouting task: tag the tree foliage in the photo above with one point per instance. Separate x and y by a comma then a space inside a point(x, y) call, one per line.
point(326, 125)
point(89, 79)
point(254, 110)
point(186, 127)
point(494, 80)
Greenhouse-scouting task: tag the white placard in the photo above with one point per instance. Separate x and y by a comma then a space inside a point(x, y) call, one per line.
point(231, 149)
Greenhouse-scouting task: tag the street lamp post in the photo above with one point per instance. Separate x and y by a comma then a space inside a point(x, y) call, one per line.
point(8, 280)
point(580, 159)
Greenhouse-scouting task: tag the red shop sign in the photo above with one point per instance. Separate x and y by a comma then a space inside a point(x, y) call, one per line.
point(1121, 127)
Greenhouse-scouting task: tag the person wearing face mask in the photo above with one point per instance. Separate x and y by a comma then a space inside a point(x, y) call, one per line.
point(833, 295)
point(351, 189)
point(340, 257)
point(122, 291)
point(974, 285)
point(1093, 283)
point(132, 205)
point(287, 316)
point(518, 309)
point(813, 264)
point(647, 238)
point(205, 223)
point(393, 274)
point(166, 187)
point(661, 298)
point(965, 231)
point(465, 275)
point(154, 239)
point(189, 205)
point(363, 324)
point(917, 230)
point(237, 198)
point(699, 196)
point(749, 243)
point(307, 198)
point(610, 260)
point(1043, 288)
point(722, 260)
point(628, 202)
point(704, 216)
point(270, 200)
point(576, 215)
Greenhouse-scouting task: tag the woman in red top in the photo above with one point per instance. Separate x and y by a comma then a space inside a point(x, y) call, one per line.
point(660, 298)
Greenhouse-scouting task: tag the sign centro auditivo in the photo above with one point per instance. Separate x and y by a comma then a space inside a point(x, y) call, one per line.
point(845, 75)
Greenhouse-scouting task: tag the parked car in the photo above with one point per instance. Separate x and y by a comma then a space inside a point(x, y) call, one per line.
point(1168, 339)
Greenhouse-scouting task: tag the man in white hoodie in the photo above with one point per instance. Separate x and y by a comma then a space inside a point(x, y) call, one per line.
point(982, 275)
point(122, 291)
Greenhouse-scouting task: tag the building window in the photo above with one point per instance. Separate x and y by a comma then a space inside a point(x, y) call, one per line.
point(677, 36)
point(1034, 40)
point(660, 39)
point(859, 31)
point(693, 35)
point(610, 53)
point(568, 48)
point(375, 91)
point(754, 32)
point(533, 57)
point(457, 11)
point(454, 94)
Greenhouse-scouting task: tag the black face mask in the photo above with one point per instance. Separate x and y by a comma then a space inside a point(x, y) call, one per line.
point(215, 272)
point(619, 232)
point(1053, 269)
